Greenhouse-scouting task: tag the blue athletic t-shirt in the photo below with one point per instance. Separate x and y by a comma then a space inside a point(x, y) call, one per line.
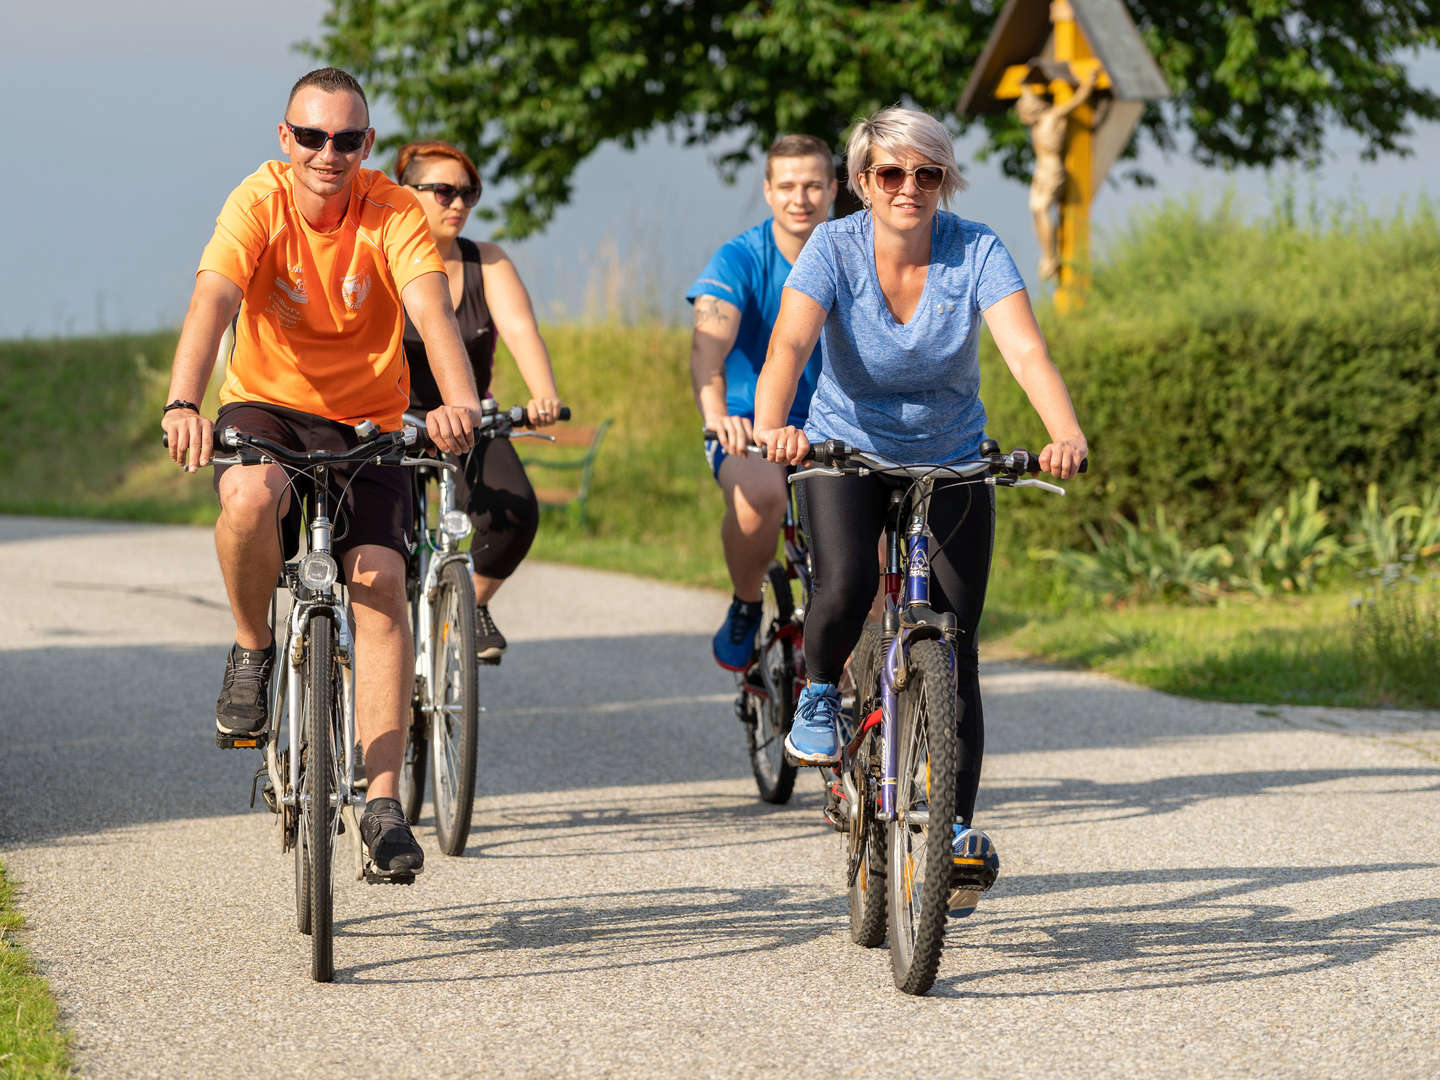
point(911, 391)
point(750, 272)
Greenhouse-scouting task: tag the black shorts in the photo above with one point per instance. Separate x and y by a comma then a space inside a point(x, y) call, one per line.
point(370, 504)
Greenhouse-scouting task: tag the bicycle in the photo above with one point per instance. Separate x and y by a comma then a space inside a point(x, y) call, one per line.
point(309, 783)
point(767, 689)
point(444, 731)
point(903, 728)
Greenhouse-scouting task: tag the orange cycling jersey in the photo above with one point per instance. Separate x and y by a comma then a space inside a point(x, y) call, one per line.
point(321, 326)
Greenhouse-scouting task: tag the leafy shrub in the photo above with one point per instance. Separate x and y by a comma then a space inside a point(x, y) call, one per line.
point(1396, 635)
point(1146, 561)
point(1287, 546)
point(1387, 536)
point(1220, 362)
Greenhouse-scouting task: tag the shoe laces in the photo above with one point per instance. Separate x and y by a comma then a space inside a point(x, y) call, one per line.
point(483, 622)
point(246, 675)
point(742, 623)
point(822, 706)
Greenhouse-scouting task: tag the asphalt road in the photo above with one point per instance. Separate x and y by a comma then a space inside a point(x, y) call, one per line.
point(1187, 889)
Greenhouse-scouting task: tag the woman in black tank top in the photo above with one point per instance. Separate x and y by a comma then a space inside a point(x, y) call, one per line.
point(489, 298)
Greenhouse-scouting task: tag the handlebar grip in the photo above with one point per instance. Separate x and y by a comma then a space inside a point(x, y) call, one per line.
point(825, 453)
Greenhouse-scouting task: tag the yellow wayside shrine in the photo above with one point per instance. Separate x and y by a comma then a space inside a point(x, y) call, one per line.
point(1051, 53)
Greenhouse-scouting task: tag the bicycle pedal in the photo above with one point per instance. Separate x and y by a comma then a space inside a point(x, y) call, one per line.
point(962, 902)
point(240, 742)
point(400, 877)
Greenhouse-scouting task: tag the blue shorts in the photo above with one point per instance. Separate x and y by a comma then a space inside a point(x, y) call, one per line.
point(715, 455)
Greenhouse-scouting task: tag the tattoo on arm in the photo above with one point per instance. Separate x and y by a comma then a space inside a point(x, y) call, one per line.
point(710, 317)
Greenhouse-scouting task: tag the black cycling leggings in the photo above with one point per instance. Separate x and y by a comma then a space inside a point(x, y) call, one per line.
point(844, 517)
point(496, 493)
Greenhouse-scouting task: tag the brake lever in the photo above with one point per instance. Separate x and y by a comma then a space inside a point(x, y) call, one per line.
point(531, 435)
point(815, 470)
point(1043, 485)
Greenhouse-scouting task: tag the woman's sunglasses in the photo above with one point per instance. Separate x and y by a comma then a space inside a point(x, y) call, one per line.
point(445, 194)
point(346, 142)
point(891, 178)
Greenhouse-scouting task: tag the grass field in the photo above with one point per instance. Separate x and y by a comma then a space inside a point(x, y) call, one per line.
point(32, 1043)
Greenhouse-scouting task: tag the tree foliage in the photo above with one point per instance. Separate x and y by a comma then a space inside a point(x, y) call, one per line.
point(533, 87)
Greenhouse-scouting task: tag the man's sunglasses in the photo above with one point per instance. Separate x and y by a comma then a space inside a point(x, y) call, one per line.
point(445, 194)
point(891, 178)
point(346, 142)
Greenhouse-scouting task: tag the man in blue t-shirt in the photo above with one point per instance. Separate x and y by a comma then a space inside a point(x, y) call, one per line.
point(736, 299)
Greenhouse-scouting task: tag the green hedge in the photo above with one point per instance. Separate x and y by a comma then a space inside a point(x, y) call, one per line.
point(1220, 362)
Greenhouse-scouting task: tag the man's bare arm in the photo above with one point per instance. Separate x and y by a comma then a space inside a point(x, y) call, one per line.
point(717, 323)
point(213, 304)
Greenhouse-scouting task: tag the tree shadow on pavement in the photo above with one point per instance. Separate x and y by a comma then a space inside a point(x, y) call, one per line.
point(1017, 803)
point(1207, 929)
point(603, 931)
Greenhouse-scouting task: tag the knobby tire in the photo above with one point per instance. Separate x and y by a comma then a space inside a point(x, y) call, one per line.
point(454, 730)
point(920, 855)
point(775, 711)
point(866, 836)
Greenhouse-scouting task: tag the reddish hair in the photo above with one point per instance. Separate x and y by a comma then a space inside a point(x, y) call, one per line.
point(411, 155)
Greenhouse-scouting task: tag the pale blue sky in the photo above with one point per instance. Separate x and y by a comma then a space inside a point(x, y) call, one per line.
point(129, 123)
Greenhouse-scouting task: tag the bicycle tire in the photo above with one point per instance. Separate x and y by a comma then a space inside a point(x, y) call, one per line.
point(414, 766)
point(775, 711)
point(454, 729)
point(317, 816)
point(918, 881)
point(865, 839)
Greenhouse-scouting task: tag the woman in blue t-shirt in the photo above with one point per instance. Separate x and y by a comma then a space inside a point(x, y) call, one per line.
point(895, 294)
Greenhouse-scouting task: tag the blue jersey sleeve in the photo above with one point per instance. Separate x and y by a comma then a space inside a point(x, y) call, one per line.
point(814, 271)
point(998, 276)
point(727, 276)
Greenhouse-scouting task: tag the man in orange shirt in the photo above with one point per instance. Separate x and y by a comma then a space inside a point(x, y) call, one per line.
point(318, 256)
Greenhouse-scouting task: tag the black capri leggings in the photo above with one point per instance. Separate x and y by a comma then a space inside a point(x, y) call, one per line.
point(844, 517)
point(496, 493)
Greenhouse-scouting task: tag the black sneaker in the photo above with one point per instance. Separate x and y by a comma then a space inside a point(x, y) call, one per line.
point(489, 642)
point(245, 694)
point(387, 834)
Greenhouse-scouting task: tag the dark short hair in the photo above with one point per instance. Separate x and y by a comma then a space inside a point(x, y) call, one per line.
point(800, 146)
point(333, 81)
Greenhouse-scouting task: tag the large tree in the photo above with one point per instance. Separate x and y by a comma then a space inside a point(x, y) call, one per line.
point(532, 87)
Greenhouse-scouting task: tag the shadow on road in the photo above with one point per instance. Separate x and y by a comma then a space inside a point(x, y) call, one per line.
point(598, 932)
point(1204, 931)
point(102, 737)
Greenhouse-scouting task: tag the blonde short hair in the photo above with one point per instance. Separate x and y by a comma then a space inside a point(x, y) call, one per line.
point(898, 130)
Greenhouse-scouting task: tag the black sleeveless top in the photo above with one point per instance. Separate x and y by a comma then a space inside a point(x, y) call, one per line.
point(476, 331)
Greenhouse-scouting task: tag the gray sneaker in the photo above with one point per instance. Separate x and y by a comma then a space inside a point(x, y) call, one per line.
point(244, 702)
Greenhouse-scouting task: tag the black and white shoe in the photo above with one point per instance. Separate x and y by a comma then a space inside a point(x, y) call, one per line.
point(489, 642)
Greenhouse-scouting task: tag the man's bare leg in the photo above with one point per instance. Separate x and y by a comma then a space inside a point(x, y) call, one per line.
point(248, 548)
point(755, 496)
point(384, 662)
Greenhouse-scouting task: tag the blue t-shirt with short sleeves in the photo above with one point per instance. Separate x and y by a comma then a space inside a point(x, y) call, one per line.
point(750, 273)
point(911, 391)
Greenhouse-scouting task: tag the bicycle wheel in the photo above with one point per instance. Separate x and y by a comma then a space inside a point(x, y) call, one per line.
point(455, 707)
point(414, 765)
point(865, 840)
point(774, 709)
point(919, 838)
point(317, 785)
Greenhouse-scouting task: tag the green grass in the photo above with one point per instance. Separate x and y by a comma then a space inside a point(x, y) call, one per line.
point(32, 1043)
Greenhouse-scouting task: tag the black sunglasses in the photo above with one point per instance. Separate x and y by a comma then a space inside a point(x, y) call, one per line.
point(445, 194)
point(346, 142)
point(891, 178)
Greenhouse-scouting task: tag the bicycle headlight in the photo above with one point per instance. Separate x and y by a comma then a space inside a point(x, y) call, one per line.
point(456, 524)
point(318, 571)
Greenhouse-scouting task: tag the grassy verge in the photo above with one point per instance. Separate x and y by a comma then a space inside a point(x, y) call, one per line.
point(31, 1041)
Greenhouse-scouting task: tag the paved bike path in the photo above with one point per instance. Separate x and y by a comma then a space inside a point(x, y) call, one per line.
point(1188, 889)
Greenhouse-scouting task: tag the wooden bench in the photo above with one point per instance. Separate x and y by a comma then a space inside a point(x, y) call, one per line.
point(574, 450)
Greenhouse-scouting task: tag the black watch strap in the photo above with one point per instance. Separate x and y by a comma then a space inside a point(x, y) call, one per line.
point(179, 404)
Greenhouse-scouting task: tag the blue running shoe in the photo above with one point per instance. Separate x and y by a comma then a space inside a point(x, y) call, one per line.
point(812, 739)
point(975, 869)
point(734, 642)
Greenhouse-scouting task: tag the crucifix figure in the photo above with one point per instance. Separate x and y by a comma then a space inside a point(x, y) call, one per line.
point(1049, 125)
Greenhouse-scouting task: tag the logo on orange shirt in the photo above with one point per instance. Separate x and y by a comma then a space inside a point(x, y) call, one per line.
point(354, 289)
